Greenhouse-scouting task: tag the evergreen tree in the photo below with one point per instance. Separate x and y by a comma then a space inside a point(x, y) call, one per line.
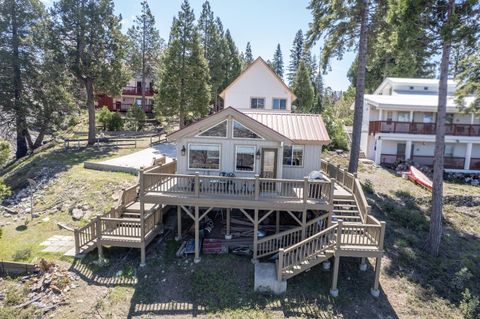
point(94, 48)
point(342, 23)
point(278, 61)
point(319, 92)
point(213, 48)
point(231, 60)
point(145, 46)
point(303, 89)
point(18, 21)
point(248, 54)
point(448, 23)
point(468, 79)
point(296, 55)
point(184, 91)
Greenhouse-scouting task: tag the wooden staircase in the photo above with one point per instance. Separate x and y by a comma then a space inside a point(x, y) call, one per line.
point(346, 210)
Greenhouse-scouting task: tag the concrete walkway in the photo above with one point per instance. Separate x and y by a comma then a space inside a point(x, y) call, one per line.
point(131, 163)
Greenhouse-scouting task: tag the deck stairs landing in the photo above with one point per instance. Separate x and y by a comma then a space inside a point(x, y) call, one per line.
point(306, 264)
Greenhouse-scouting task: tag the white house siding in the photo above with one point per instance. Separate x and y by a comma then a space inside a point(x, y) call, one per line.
point(311, 162)
point(256, 82)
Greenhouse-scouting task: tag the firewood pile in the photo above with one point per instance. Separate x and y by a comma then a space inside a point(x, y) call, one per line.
point(48, 287)
point(242, 227)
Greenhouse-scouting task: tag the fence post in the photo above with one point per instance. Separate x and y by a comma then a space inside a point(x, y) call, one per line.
point(305, 189)
point(257, 187)
point(197, 184)
point(382, 235)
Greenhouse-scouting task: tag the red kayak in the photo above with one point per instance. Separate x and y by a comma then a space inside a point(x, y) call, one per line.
point(418, 177)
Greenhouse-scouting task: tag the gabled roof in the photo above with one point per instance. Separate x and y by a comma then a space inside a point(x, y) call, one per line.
point(246, 120)
point(300, 128)
point(290, 128)
point(259, 60)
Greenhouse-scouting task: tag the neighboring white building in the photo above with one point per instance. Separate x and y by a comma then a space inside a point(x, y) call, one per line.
point(256, 133)
point(399, 123)
point(258, 87)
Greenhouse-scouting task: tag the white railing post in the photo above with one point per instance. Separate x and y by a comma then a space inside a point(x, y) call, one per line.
point(280, 264)
point(142, 204)
point(331, 199)
point(305, 189)
point(339, 234)
point(257, 187)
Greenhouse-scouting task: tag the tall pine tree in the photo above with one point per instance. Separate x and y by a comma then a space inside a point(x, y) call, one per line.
point(248, 54)
point(145, 46)
point(278, 61)
point(184, 91)
point(296, 55)
point(94, 48)
point(231, 60)
point(303, 89)
point(213, 48)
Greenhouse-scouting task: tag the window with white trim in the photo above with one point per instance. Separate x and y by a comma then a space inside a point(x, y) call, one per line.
point(257, 103)
point(404, 116)
point(241, 131)
point(279, 104)
point(245, 158)
point(293, 155)
point(204, 156)
point(219, 130)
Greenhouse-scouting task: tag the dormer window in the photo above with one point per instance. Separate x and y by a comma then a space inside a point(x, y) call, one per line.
point(257, 103)
point(279, 104)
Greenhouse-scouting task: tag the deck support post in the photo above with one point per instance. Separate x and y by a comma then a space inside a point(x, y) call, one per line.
point(228, 236)
point(179, 223)
point(98, 231)
point(277, 222)
point(255, 235)
point(374, 291)
point(331, 202)
point(197, 235)
point(142, 217)
point(334, 290)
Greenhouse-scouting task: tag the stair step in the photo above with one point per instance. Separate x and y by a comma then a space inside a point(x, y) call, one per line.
point(344, 205)
point(343, 200)
point(345, 211)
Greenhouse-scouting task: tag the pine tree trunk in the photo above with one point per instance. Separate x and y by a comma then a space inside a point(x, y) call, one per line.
point(91, 110)
point(20, 120)
point(360, 90)
point(435, 233)
point(143, 65)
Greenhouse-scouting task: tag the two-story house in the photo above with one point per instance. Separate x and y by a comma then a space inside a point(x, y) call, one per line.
point(131, 95)
point(399, 124)
point(255, 134)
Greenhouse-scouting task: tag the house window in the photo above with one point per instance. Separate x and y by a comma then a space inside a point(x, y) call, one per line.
point(428, 117)
point(257, 103)
point(245, 158)
point(204, 156)
point(404, 116)
point(279, 104)
point(241, 131)
point(138, 102)
point(389, 116)
point(293, 155)
point(449, 150)
point(449, 118)
point(219, 130)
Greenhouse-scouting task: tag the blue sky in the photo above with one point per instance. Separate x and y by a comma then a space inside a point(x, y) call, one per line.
point(262, 22)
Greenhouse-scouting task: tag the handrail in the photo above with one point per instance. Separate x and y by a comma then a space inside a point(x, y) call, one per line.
point(309, 239)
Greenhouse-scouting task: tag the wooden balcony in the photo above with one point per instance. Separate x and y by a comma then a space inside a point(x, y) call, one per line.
point(134, 90)
point(123, 107)
point(451, 162)
point(232, 192)
point(422, 128)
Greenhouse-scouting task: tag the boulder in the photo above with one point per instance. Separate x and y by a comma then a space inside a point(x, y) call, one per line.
point(77, 214)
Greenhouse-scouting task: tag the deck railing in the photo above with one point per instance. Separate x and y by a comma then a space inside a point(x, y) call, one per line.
point(354, 234)
point(422, 128)
point(254, 188)
point(350, 182)
point(312, 246)
point(271, 244)
point(120, 227)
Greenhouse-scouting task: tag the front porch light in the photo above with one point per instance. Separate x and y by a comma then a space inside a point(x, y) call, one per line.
point(183, 150)
point(258, 154)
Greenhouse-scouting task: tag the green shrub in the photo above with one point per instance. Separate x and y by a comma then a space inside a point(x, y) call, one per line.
point(4, 152)
point(461, 278)
point(13, 296)
point(469, 305)
point(135, 118)
point(368, 187)
point(5, 191)
point(115, 123)
point(22, 254)
point(110, 120)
